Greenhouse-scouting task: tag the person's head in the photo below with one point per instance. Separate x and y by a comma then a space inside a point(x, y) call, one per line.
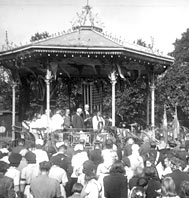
point(176, 163)
point(97, 145)
point(126, 161)
point(21, 142)
point(56, 160)
point(130, 141)
point(79, 111)
point(168, 187)
point(98, 113)
point(109, 144)
point(139, 171)
point(138, 192)
point(89, 169)
point(30, 157)
point(146, 139)
point(167, 162)
point(61, 147)
point(14, 159)
point(67, 143)
point(67, 112)
point(3, 167)
point(45, 166)
point(77, 188)
point(117, 167)
point(149, 162)
point(78, 148)
point(142, 182)
point(86, 107)
point(150, 172)
point(184, 189)
point(39, 143)
point(135, 148)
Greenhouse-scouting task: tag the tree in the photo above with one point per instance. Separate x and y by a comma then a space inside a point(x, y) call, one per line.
point(39, 36)
point(173, 87)
point(141, 42)
point(5, 88)
point(130, 100)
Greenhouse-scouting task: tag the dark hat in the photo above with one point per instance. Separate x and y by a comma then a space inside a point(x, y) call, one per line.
point(3, 167)
point(45, 166)
point(30, 157)
point(56, 160)
point(126, 161)
point(15, 159)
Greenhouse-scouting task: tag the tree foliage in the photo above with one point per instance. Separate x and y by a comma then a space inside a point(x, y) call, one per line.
point(5, 88)
point(39, 36)
point(173, 87)
point(130, 100)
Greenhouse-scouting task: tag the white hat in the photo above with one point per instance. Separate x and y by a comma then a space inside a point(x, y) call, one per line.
point(59, 144)
point(23, 152)
point(4, 150)
point(39, 142)
point(78, 147)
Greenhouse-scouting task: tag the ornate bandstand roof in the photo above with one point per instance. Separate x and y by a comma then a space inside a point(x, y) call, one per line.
point(85, 44)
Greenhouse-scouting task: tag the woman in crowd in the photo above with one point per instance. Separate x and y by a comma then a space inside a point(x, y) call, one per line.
point(92, 187)
point(137, 192)
point(115, 184)
point(168, 188)
point(184, 192)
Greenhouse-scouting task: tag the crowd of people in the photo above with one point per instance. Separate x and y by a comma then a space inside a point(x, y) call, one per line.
point(107, 169)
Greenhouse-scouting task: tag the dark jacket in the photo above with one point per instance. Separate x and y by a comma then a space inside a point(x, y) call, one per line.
point(77, 122)
point(178, 177)
point(115, 186)
point(6, 187)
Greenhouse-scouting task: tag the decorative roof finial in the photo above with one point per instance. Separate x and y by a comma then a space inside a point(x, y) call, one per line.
point(86, 18)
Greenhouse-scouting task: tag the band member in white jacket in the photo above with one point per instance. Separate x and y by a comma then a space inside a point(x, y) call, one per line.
point(98, 121)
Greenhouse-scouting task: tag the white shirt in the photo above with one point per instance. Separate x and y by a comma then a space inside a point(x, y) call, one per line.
point(57, 122)
point(41, 155)
point(136, 161)
point(28, 173)
point(77, 163)
point(14, 173)
point(58, 174)
point(109, 156)
point(96, 120)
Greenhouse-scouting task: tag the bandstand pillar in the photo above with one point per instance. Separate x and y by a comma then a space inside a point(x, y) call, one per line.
point(47, 80)
point(13, 109)
point(152, 88)
point(113, 79)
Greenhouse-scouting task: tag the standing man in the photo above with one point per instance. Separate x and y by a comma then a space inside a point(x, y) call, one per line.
point(43, 185)
point(87, 117)
point(77, 120)
point(67, 119)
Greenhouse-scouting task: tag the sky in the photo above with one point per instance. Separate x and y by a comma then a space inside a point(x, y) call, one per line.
point(162, 20)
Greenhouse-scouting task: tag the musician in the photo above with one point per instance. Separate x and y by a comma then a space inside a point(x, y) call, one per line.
point(98, 121)
point(87, 117)
point(77, 120)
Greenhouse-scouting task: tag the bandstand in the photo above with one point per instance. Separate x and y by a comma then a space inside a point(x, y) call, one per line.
point(84, 52)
